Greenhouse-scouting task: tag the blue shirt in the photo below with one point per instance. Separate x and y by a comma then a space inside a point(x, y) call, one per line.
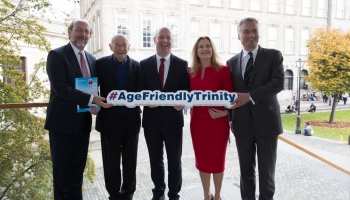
point(121, 69)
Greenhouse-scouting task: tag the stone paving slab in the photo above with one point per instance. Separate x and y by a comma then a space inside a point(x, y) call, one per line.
point(298, 175)
point(194, 193)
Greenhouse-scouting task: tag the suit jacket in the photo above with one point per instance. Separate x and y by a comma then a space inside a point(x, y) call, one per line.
point(62, 67)
point(265, 83)
point(107, 78)
point(177, 79)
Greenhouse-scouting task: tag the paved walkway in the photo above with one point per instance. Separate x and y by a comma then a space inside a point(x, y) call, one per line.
point(298, 175)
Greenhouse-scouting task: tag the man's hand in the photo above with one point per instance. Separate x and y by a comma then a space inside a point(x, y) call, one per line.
point(152, 106)
point(94, 110)
point(178, 108)
point(99, 101)
point(242, 99)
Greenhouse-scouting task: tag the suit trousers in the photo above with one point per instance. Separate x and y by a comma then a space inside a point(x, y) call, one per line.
point(266, 150)
point(121, 146)
point(172, 139)
point(69, 154)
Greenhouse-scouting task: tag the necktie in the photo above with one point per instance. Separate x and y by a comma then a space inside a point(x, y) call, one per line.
point(248, 69)
point(161, 71)
point(83, 66)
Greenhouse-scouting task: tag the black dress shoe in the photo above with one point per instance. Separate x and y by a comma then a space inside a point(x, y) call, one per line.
point(158, 198)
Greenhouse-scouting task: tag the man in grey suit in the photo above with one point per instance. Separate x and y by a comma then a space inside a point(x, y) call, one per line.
point(258, 77)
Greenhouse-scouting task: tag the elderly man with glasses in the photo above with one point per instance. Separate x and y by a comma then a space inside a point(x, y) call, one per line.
point(69, 131)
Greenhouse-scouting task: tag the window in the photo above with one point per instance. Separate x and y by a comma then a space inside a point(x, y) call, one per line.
point(321, 4)
point(305, 9)
point(86, 6)
point(20, 67)
point(289, 6)
point(235, 43)
point(215, 34)
point(123, 23)
point(93, 36)
point(254, 4)
point(7, 80)
point(82, 6)
point(90, 44)
point(273, 5)
point(272, 37)
point(340, 9)
point(288, 80)
point(148, 30)
point(303, 84)
point(288, 38)
point(194, 1)
point(216, 3)
point(194, 32)
point(236, 4)
point(99, 32)
point(173, 24)
point(305, 35)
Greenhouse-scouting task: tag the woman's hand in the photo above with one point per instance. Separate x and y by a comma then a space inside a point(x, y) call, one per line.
point(215, 113)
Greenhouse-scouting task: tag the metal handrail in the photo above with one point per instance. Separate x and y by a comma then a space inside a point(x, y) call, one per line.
point(22, 105)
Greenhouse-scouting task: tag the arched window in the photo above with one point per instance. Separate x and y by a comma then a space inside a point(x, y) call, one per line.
point(288, 80)
point(303, 85)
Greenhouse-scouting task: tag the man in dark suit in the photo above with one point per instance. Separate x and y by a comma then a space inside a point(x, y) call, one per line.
point(163, 125)
point(258, 77)
point(119, 126)
point(69, 131)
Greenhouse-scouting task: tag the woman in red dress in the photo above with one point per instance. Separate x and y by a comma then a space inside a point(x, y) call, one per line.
point(209, 125)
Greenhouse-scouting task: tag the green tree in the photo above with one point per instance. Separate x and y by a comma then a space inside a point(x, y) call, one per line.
point(329, 61)
point(25, 160)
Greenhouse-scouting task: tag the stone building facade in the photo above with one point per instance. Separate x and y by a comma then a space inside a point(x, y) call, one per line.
point(285, 25)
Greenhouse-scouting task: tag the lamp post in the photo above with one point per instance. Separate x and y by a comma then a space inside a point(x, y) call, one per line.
point(299, 64)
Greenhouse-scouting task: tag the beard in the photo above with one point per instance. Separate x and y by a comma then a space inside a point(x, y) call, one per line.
point(81, 44)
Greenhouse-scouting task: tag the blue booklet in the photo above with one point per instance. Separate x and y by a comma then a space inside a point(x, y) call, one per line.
point(89, 86)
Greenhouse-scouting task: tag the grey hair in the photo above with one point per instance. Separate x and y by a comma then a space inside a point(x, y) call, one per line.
point(120, 35)
point(71, 25)
point(244, 20)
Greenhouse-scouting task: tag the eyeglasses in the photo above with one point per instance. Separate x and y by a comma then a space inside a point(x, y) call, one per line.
point(79, 30)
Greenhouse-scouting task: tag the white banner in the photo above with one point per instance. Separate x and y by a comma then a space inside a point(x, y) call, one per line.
point(180, 98)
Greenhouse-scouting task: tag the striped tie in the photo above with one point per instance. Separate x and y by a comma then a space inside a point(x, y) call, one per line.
point(248, 69)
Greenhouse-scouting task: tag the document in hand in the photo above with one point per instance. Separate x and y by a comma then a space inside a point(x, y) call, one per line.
point(89, 86)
